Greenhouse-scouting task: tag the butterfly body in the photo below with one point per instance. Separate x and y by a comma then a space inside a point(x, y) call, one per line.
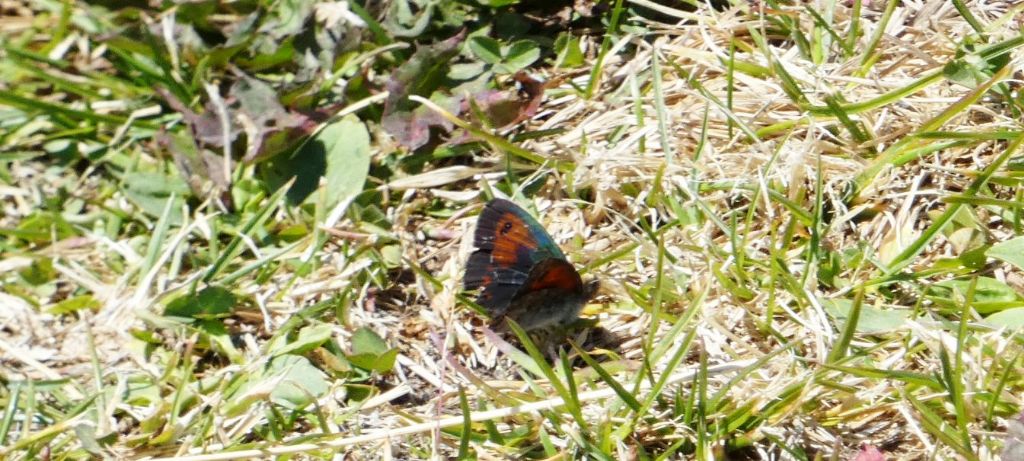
point(550, 307)
point(521, 272)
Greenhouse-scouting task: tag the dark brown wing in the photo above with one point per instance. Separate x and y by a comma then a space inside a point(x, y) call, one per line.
point(509, 245)
point(553, 273)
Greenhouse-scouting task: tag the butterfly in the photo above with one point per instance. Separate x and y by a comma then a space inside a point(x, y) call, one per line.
point(521, 272)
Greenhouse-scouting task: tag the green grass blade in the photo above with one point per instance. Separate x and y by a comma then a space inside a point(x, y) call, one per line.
point(934, 424)
point(623, 394)
point(905, 257)
point(559, 387)
point(606, 44)
point(965, 12)
point(872, 52)
point(13, 99)
point(843, 343)
point(159, 236)
point(255, 220)
point(908, 377)
point(467, 425)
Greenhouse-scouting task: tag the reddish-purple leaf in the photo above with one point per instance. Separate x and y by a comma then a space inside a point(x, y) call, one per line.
point(502, 109)
point(253, 110)
point(412, 128)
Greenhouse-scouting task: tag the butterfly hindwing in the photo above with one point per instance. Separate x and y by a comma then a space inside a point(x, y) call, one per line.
point(554, 274)
point(510, 243)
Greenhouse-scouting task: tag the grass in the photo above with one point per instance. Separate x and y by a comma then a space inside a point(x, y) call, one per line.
point(807, 219)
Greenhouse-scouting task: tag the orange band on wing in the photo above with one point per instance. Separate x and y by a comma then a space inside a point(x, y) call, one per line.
point(513, 236)
point(555, 273)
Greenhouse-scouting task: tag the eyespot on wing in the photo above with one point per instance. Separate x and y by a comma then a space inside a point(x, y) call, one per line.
point(505, 225)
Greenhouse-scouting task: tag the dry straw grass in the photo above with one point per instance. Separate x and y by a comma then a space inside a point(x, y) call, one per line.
point(633, 144)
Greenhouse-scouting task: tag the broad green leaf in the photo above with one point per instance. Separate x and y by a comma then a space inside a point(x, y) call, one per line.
point(872, 319)
point(392, 255)
point(370, 352)
point(990, 295)
point(39, 272)
point(340, 153)
point(41, 227)
point(519, 55)
point(75, 304)
point(216, 333)
point(365, 341)
point(151, 191)
point(1011, 251)
point(568, 51)
point(248, 194)
point(141, 390)
point(961, 71)
point(403, 21)
point(86, 435)
point(382, 363)
point(310, 337)
point(288, 380)
point(298, 382)
point(210, 302)
point(359, 392)
point(486, 48)
point(286, 18)
point(293, 232)
point(348, 158)
point(1011, 319)
point(970, 69)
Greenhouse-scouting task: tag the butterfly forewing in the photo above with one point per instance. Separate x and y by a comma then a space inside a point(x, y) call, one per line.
point(510, 244)
point(500, 284)
point(513, 235)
